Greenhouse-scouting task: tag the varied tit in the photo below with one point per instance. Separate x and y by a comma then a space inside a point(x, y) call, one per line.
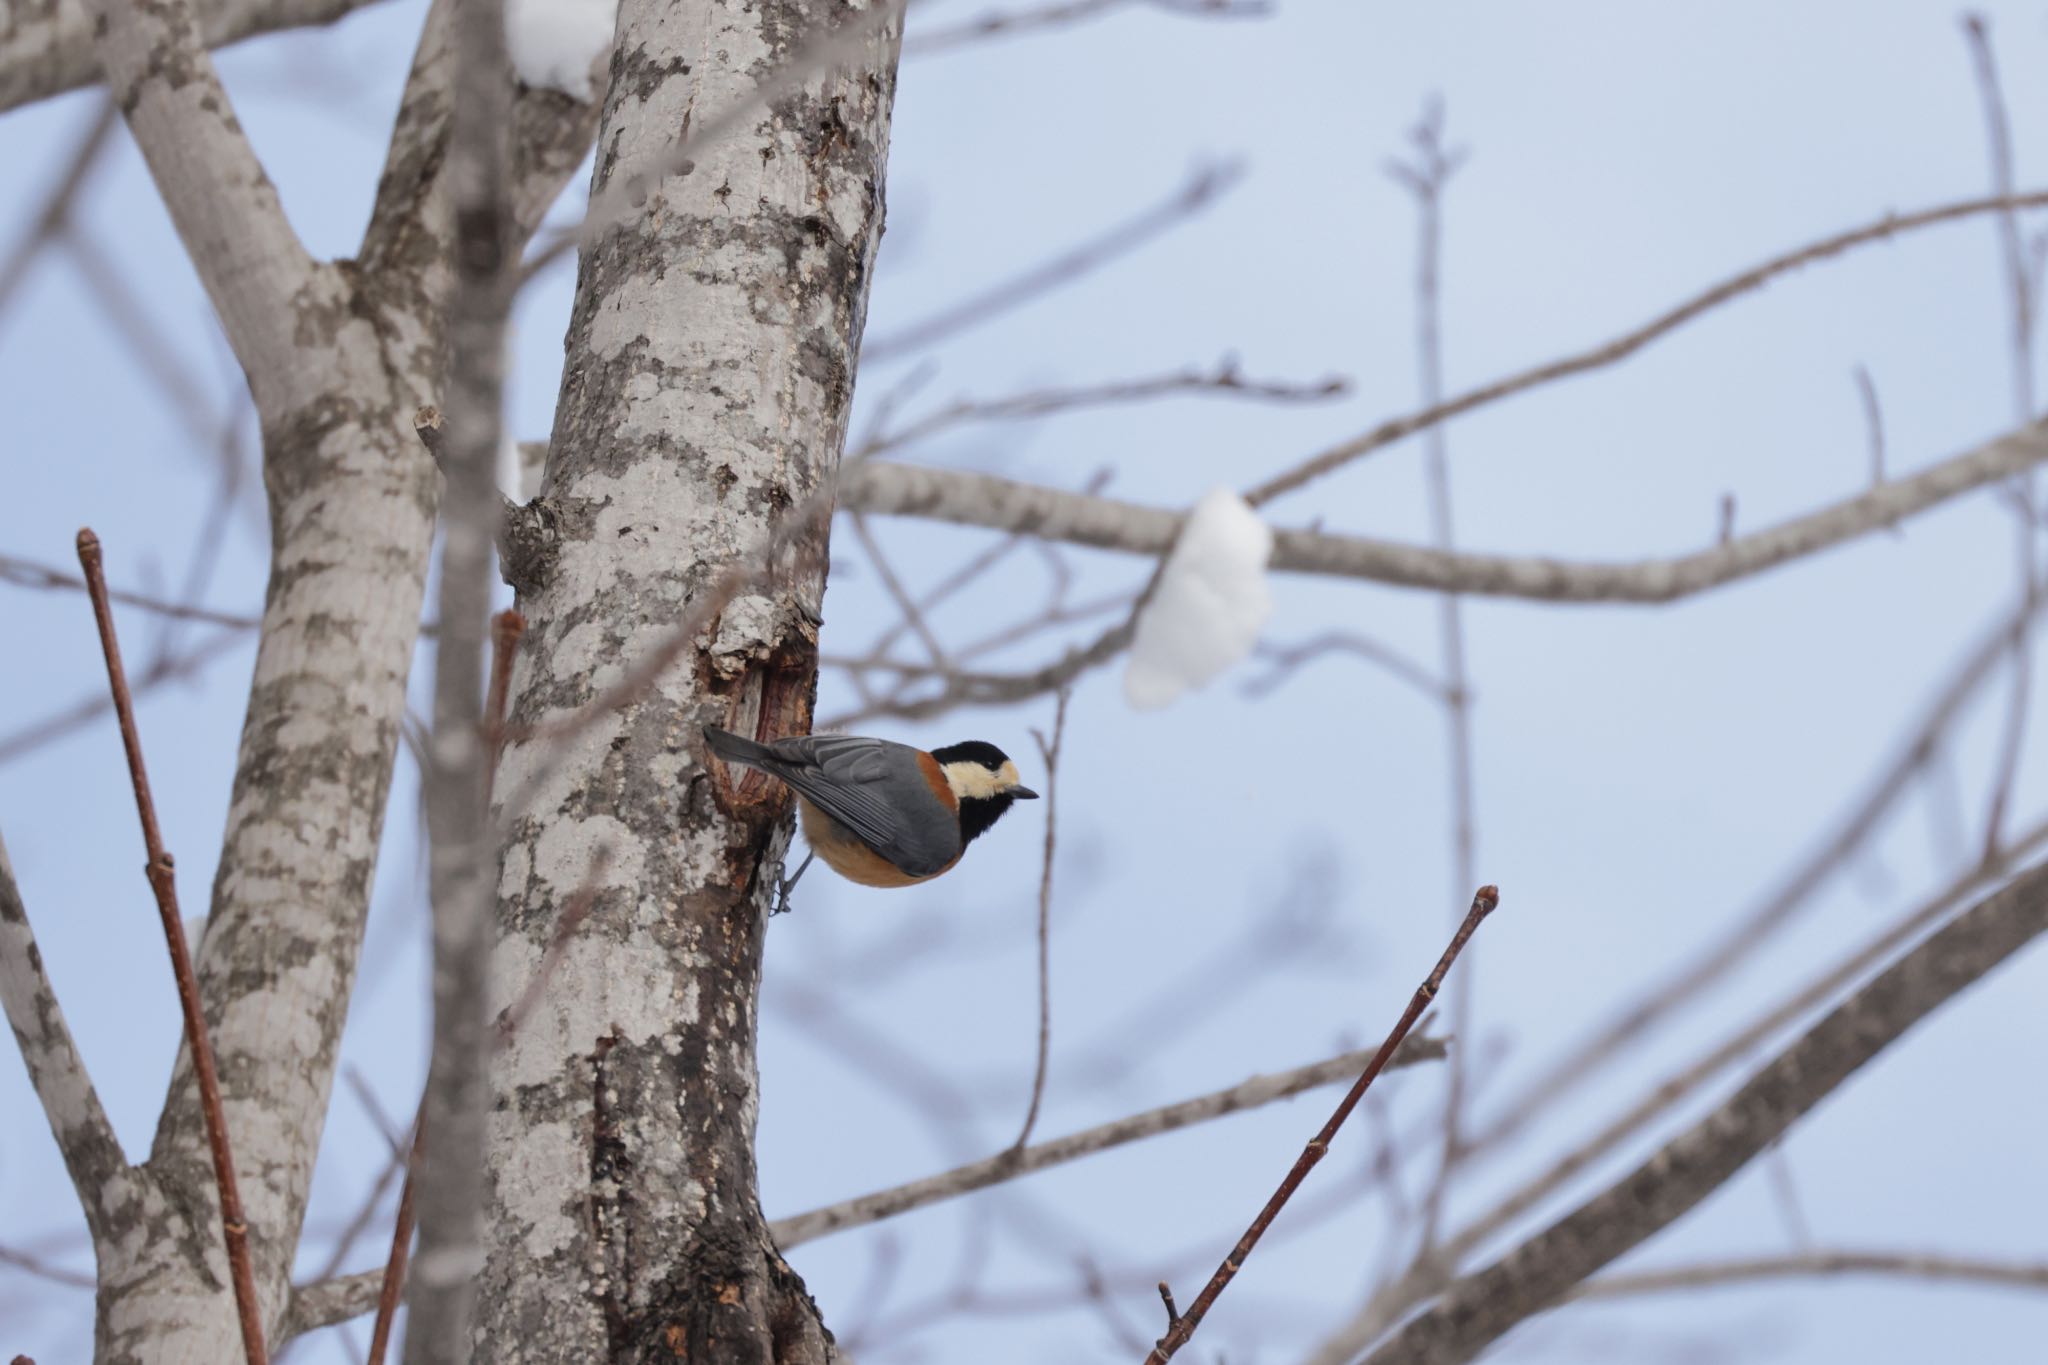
point(881, 813)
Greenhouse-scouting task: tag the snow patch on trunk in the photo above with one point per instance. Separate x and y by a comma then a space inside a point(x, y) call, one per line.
point(557, 44)
point(1211, 603)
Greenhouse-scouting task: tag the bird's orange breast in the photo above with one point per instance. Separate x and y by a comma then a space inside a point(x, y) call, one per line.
point(845, 854)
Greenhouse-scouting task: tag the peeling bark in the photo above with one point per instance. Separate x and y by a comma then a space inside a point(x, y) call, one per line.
point(710, 362)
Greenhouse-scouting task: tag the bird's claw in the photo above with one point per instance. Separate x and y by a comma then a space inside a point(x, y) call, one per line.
point(788, 884)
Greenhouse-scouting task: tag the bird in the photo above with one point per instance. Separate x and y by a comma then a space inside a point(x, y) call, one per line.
point(881, 813)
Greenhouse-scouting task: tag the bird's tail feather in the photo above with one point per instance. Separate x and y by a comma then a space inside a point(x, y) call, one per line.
point(737, 749)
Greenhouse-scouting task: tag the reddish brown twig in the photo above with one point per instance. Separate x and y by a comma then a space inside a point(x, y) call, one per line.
point(1183, 1325)
point(393, 1286)
point(506, 629)
point(163, 881)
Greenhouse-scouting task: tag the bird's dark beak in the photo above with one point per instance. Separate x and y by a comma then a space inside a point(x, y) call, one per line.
point(1023, 793)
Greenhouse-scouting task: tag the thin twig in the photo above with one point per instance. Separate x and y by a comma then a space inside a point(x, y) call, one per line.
point(913, 617)
point(1225, 380)
point(507, 628)
point(1426, 179)
point(463, 847)
point(26, 573)
point(1008, 1164)
point(2019, 289)
point(1906, 1264)
point(1287, 660)
point(55, 214)
point(43, 1270)
point(394, 1136)
point(1873, 422)
point(392, 1285)
point(1050, 753)
point(1172, 1313)
point(163, 881)
point(1203, 188)
point(1483, 903)
point(1003, 23)
point(88, 709)
point(1628, 343)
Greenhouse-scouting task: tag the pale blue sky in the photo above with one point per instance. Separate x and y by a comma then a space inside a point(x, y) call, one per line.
point(1643, 775)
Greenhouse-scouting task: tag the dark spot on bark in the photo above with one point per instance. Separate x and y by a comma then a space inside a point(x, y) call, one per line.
point(610, 1177)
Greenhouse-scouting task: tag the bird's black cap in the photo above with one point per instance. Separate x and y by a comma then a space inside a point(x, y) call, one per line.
point(973, 751)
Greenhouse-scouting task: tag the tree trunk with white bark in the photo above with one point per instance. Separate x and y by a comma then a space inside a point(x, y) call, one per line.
point(711, 359)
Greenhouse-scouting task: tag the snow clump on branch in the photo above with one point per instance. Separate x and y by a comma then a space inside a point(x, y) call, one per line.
point(1210, 604)
point(557, 44)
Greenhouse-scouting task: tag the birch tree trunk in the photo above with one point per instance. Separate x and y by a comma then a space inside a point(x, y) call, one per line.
point(338, 356)
point(711, 357)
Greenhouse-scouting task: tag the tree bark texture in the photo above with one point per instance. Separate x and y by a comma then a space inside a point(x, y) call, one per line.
point(338, 357)
point(711, 357)
point(46, 46)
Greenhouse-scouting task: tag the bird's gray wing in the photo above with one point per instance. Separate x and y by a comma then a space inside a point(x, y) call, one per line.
point(876, 789)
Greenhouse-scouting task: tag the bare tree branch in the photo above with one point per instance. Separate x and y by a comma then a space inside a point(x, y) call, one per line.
point(1062, 14)
point(1478, 1309)
point(55, 215)
point(2019, 289)
point(1737, 1046)
point(1224, 381)
point(1426, 178)
point(1049, 754)
point(979, 1175)
point(225, 208)
point(1759, 924)
point(1628, 343)
point(1182, 1326)
point(1902, 1264)
point(35, 1265)
point(88, 709)
point(462, 860)
point(27, 573)
point(85, 1138)
point(1203, 188)
point(46, 46)
point(1287, 660)
point(884, 488)
point(328, 1302)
